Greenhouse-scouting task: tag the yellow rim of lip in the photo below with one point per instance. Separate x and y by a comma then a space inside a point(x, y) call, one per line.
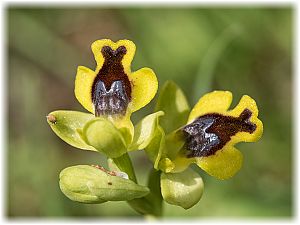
point(224, 164)
point(127, 59)
point(213, 102)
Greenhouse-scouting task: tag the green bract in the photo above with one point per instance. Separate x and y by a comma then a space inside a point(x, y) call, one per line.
point(88, 184)
point(183, 189)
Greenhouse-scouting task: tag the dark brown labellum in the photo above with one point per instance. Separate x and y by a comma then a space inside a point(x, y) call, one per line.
point(209, 133)
point(111, 91)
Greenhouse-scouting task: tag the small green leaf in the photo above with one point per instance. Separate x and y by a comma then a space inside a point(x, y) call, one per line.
point(174, 104)
point(183, 189)
point(88, 184)
point(65, 124)
point(144, 131)
point(105, 137)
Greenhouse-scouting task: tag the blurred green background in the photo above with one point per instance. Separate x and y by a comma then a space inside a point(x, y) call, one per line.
point(247, 50)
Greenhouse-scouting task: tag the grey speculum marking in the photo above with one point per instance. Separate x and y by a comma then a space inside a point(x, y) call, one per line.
point(209, 133)
point(199, 141)
point(111, 102)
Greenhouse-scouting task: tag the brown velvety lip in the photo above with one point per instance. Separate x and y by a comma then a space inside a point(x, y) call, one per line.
point(209, 133)
point(111, 90)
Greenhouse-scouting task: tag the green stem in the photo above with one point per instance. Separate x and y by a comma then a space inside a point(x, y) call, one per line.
point(150, 205)
point(124, 164)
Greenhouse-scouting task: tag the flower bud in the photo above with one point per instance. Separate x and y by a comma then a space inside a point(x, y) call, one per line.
point(183, 189)
point(88, 184)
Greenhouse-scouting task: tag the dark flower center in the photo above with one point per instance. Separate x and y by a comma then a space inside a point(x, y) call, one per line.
point(209, 133)
point(111, 91)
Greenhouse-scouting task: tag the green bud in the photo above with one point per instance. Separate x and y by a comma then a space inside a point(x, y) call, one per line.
point(66, 125)
point(174, 104)
point(88, 184)
point(183, 189)
point(145, 130)
point(105, 137)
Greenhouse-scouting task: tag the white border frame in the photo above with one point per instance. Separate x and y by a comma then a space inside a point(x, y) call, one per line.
point(79, 3)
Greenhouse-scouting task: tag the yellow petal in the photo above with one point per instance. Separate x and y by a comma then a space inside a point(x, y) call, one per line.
point(126, 61)
point(83, 87)
point(144, 87)
point(213, 102)
point(223, 164)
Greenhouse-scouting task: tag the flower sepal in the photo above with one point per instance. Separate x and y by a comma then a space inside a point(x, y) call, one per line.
point(87, 132)
point(67, 125)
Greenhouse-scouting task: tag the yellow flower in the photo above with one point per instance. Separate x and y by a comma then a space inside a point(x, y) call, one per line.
point(112, 90)
point(212, 131)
